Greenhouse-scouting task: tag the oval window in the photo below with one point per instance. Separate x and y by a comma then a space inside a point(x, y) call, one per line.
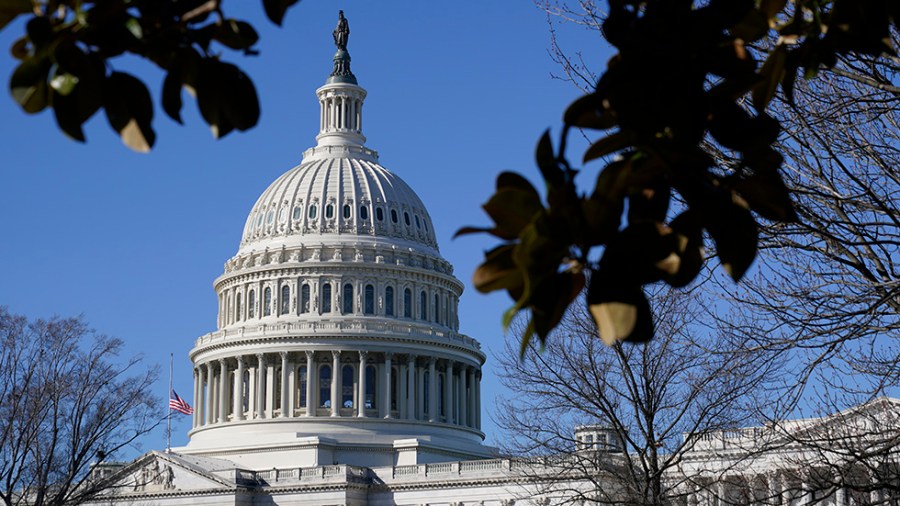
point(259, 219)
point(363, 213)
point(346, 211)
point(406, 218)
point(270, 217)
point(282, 214)
point(312, 211)
point(298, 211)
point(329, 211)
point(417, 222)
point(394, 215)
point(379, 214)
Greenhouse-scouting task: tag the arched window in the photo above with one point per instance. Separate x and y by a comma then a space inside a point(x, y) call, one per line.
point(301, 393)
point(304, 298)
point(346, 211)
point(312, 212)
point(371, 385)
point(251, 304)
point(440, 399)
point(418, 224)
point(298, 211)
point(285, 299)
point(363, 213)
point(379, 214)
point(425, 381)
point(325, 386)
point(389, 301)
point(407, 303)
point(347, 386)
point(326, 298)
point(267, 301)
point(423, 306)
point(437, 308)
point(395, 390)
point(369, 300)
point(329, 211)
point(237, 312)
point(270, 217)
point(393, 215)
point(348, 299)
point(406, 218)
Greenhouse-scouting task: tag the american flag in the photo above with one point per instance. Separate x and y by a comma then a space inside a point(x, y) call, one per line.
point(178, 404)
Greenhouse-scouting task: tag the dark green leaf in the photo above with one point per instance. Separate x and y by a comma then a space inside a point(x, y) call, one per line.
point(688, 230)
point(171, 96)
point(498, 271)
point(607, 145)
point(621, 313)
point(236, 34)
point(512, 209)
point(767, 195)
point(588, 112)
point(28, 84)
point(546, 162)
point(736, 234)
point(39, 30)
point(19, 50)
point(129, 110)
point(772, 73)
point(63, 83)
point(9, 9)
point(275, 9)
point(241, 106)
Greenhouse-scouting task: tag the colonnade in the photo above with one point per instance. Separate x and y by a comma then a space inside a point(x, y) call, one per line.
point(341, 113)
point(786, 487)
point(317, 384)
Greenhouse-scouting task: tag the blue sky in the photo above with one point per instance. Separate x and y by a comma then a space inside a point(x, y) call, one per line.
point(458, 91)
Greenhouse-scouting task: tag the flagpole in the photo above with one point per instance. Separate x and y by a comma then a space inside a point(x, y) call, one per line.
point(169, 417)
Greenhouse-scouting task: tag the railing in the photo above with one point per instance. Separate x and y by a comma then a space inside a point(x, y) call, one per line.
point(343, 327)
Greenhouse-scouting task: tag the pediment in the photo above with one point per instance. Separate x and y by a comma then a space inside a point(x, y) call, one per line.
point(167, 473)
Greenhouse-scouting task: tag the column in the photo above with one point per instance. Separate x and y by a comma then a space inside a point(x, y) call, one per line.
point(260, 383)
point(361, 409)
point(411, 386)
point(463, 397)
point(448, 392)
point(433, 415)
point(208, 415)
point(470, 398)
point(335, 377)
point(270, 389)
point(387, 382)
point(310, 402)
point(223, 391)
point(198, 381)
point(478, 400)
point(284, 384)
point(239, 390)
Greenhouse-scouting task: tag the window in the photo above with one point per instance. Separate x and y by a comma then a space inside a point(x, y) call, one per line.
point(347, 386)
point(369, 302)
point(363, 213)
point(237, 312)
point(348, 299)
point(370, 387)
point(389, 301)
point(329, 211)
point(407, 303)
point(346, 211)
point(267, 301)
point(259, 219)
point(425, 224)
point(406, 218)
point(251, 305)
point(423, 306)
point(285, 299)
point(437, 309)
point(326, 298)
point(301, 373)
point(304, 298)
point(312, 212)
point(418, 224)
point(270, 217)
point(282, 214)
point(393, 215)
point(298, 211)
point(379, 214)
point(325, 386)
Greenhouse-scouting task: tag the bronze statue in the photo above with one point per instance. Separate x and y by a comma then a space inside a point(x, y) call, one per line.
point(342, 32)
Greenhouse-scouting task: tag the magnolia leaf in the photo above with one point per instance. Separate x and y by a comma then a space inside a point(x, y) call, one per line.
point(171, 96)
point(9, 9)
point(688, 232)
point(508, 179)
point(129, 110)
point(620, 313)
point(546, 162)
point(512, 209)
point(20, 48)
point(63, 83)
point(736, 234)
point(275, 9)
point(236, 34)
point(28, 84)
point(607, 145)
point(498, 271)
point(767, 194)
point(772, 73)
point(585, 113)
point(241, 106)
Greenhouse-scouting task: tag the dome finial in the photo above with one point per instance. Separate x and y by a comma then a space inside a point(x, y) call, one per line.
point(341, 72)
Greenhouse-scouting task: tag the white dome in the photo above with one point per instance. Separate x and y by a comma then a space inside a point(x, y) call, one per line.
point(338, 194)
